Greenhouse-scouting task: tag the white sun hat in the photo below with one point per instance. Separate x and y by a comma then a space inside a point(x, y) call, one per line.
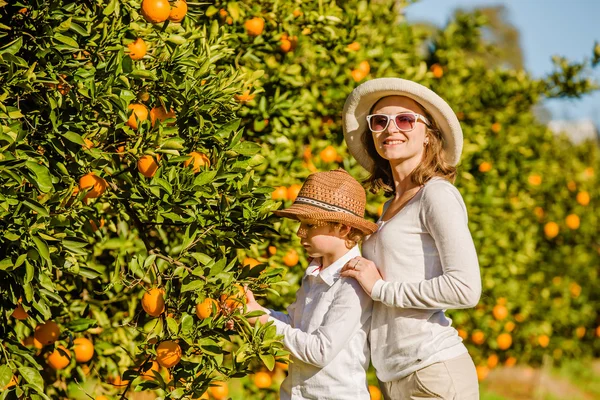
point(363, 98)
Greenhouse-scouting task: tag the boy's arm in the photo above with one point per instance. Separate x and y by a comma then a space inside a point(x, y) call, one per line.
point(350, 309)
point(252, 305)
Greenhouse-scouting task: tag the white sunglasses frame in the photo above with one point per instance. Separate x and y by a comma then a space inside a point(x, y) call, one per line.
point(392, 117)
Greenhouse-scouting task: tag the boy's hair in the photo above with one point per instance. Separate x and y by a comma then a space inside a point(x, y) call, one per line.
point(354, 237)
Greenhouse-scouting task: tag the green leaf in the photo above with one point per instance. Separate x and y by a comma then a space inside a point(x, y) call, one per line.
point(42, 248)
point(173, 325)
point(43, 178)
point(74, 137)
point(110, 8)
point(5, 375)
point(144, 74)
point(74, 243)
point(247, 148)
point(205, 177)
point(269, 361)
point(81, 324)
point(66, 40)
point(33, 377)
point(12, 47)
point(187, 324)
point(191, 285)
point(37, 207)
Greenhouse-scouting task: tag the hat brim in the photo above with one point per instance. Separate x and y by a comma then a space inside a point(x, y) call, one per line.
point(363, 98)
point(296, 211)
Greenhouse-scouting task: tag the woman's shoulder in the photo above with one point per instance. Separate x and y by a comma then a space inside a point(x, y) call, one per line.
point(441, 192)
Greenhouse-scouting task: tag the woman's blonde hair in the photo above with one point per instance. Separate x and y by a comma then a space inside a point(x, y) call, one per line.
point(432, 164)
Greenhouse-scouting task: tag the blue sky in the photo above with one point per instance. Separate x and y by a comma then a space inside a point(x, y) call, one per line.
point(548, 27)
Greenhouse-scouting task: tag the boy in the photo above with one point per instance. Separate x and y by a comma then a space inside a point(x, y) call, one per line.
point(325, 329)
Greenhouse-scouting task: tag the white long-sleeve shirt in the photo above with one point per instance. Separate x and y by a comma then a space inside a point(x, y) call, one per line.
point(326, 331)
point(428, 262)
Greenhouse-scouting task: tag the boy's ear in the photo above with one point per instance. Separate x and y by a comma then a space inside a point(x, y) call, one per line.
point(344, 230)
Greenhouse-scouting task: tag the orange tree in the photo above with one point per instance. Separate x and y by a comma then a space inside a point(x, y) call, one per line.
point(126, 179)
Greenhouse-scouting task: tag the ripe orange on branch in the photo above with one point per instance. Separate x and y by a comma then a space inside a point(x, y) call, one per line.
point(254, 26)
point(156, 11)
point(178, 11)
point(292, 191)
point(500, 312)
point(198, 160)
point(329, 154)
point(147, 165)
point(59, 358)
point(205, 308)
point(236, 299)
point(219, 391)
point(168, 353)
point(583, 198)
point(84, 349)
point(97, 184)
point(291, 258)
point(504, 341)
point(551, 229)
point(137, 49)
point(153, 302)
point(139, 113)
point(19, 313)
point(262, 380)
point(160, 113)
point(47, 333)
point(280, 193)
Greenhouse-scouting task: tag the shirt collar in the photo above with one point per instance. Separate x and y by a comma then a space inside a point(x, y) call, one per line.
point(332, 273)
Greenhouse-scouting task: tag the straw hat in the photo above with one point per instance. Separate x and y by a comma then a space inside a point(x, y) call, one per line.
point(332, 196)
point(363, 98)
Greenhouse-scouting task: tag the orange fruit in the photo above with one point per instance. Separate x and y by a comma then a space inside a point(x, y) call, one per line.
point(244, 97)
point(280, 193)
point(588, 172)
point(598, 331)
point(153, 302)
point(509, 326)
point(492, 361)
point(482, 372)
point(543, 340)
point(205, 309)
point(117, 381)
point(510, 362)
point(463, 334)
point(354, 46)
point(19, 313)
point(291, 258)
point(292, 192)
point(380, 210)
point(580, 332)
point(496, 127)
point(551, 230)
point(88, 144)
point(161, 114)
point(47, 333)
point(59, 358)
point(101, 397)
point(156, 11)
point(137, 49)
point(281, 365)
point(168, 353)
point(223, 13)
point(262, 380)
point(500, 312)
point(147, 165)
point(572, 186)
point(485, 167)
point(572, 221)
point(219, 391)
point(251, 262)
point(272, 250)
point(234, 300)
point(285, 45)
point(364, 67)
point(97, 184)
point(30, 341)
point(95, 226)
point(575, 289)
point(146, 372)
point(437, 71)
point(357, 75)
point(535, 180)
point(539, 212)
point(374, 392)
point(178, 11)
point(504, 341)
point(254, 26)
point(297, 12)
point(84, 349)
point(478, 337)
point(583, 198)
point(198, 159)
point(140, 112)
point(328, 154)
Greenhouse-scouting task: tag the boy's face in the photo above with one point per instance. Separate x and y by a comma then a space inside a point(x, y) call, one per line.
point(320, 239)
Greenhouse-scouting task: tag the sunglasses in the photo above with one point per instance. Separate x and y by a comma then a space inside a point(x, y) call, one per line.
point(405, 122)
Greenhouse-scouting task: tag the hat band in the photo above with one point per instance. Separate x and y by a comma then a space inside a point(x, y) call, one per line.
point(323, 205)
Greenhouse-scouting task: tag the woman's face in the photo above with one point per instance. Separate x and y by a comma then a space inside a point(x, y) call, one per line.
point(394, 145)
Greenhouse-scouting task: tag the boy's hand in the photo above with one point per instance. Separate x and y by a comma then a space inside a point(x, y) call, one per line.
point(252, 305)
point(364, 271)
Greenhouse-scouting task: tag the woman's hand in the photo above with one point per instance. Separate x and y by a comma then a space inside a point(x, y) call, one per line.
point(364, 271)
point(252, 305)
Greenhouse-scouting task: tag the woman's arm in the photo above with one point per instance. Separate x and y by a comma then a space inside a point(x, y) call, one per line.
point(444, 215)
point(350, 309)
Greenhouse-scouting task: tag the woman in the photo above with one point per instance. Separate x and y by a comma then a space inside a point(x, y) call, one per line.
point(422, 260)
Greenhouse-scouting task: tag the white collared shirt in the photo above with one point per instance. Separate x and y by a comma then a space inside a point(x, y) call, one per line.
point(326, 331)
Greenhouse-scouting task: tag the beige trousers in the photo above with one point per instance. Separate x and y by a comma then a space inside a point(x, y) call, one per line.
point(454, 379)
